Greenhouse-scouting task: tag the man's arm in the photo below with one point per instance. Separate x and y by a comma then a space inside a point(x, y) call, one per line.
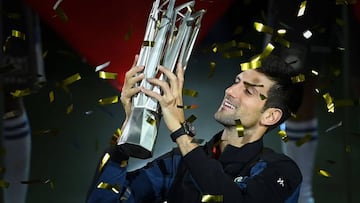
point(112, 183)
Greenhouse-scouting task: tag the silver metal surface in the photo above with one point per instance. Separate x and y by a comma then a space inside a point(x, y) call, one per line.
point(169, 39)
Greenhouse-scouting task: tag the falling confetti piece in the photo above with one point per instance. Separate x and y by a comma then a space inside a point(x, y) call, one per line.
point(190, 92)
point(115, 188)
point(102, 66)
point(333, 127)
point(21, 93)
point(303, 140)
point(104, 160)
point(324, 173)
point(302, 9)
point(191, 119)
point(239, 128)
point(283, 135)
point(51, 96)
point(109, 100)
point(107, 75)
point(212, 198)
point(298, 78)
point(329, 102)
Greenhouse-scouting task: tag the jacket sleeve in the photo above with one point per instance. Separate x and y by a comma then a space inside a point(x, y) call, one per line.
point(147, 184)
point(275, 182)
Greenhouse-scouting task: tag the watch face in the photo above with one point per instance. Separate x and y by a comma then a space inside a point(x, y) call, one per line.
point(189, 128)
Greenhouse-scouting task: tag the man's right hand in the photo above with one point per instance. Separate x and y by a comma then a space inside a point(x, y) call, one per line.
point(129, 89)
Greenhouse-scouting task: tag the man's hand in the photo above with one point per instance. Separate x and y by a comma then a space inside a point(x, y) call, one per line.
point(171, 97)
point(129, 89)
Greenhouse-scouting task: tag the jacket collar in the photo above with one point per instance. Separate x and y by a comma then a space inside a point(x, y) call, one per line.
point(235, 158)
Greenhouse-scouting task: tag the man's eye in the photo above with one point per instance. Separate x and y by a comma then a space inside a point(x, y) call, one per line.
point(248, 91)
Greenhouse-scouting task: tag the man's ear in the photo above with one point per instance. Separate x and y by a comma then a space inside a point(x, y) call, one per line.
point(271, 116)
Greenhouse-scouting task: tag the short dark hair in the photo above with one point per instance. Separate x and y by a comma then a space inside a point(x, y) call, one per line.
point(284, 94)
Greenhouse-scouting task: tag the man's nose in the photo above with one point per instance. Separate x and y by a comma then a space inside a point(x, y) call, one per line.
point(233, 90)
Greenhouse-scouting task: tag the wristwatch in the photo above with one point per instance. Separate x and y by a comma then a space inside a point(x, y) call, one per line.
point(186, 129)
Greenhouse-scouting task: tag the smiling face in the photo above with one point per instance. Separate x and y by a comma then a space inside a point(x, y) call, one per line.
point(244, 100)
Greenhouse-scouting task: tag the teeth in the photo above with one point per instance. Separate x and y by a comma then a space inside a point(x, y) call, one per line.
point(229, 105)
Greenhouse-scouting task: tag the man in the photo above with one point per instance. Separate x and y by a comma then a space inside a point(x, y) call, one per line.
point(233, 166)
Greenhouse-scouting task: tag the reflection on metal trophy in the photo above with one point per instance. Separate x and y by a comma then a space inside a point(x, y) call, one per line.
point(169, 38)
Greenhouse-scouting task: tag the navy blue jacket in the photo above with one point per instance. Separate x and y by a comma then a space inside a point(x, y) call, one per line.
point(247, 174)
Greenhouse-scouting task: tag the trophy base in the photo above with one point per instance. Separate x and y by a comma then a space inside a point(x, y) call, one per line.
point(135, 150)
point(139, 134)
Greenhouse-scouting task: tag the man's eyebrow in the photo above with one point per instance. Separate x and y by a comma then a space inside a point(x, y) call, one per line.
point(253, 85)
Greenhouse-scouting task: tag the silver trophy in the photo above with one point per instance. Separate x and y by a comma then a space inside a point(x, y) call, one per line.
point(169, 38)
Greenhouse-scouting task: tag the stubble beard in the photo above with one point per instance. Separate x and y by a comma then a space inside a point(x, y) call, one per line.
point(227, 120)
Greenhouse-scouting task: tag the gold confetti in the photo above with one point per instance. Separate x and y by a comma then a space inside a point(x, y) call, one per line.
point(191, 119)
point(18, 34)
point(239, 128)
point(51, 96)
point(69, 109)
point(233, 54)
point(283, 135)
point(104, 160)
point(109, 100)
point(21, 93)
point(298, 78)
point(190, 92)
point(282, 41)
point(107, 75)
point(148, 43)
point(245, 45)
point(324, 173)
point(4, 184)
point(302, 9)
point(212, 198)
point(115, 188)
point(263, 28)
point(123, 163)
point(59, 11)
point(214, 48)
point(71, 79)
point(250, 65)
point(346, 102)
point(329, 102)
point(197, 141)
point(212, 69)
point(303, 140)
point(150, 120)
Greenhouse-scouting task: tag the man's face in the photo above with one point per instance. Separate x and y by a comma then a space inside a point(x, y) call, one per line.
point(244, 100)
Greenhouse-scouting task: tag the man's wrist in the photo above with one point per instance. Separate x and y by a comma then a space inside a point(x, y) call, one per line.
point(185, 128)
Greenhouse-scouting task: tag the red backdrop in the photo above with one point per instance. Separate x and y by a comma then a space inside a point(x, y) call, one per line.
point(112, 30)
